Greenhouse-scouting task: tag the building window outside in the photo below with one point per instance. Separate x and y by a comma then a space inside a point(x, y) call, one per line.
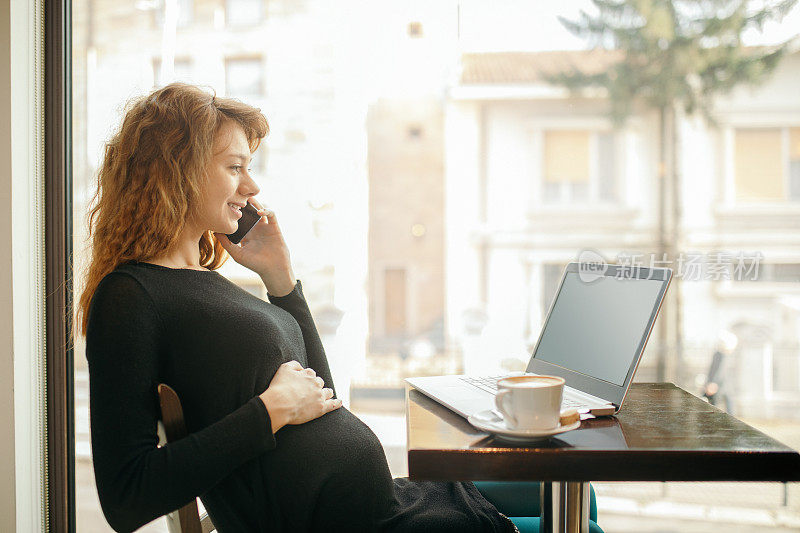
point(185, 13)
point(244, 77)
point(766, 164)
point(394, 302)
point(182, 69)
point(414, 29)
point(243, 12)
point(578, 166)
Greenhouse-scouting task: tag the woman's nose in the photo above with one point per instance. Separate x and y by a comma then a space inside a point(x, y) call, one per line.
point(249, 186)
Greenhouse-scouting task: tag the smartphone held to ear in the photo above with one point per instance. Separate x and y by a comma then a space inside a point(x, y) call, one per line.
point(249, 219)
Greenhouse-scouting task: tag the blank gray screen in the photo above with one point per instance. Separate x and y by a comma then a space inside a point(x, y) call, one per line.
point(595, 328)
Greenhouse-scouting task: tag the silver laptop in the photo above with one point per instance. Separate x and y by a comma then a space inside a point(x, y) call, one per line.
point(594, 336)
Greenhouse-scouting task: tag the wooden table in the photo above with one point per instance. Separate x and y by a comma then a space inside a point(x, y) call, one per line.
point(662, 433)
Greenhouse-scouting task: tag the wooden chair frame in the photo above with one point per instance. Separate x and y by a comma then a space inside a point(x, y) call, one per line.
point(172, 427)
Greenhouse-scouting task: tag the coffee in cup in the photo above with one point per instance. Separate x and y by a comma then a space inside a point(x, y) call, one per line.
point(530, 402)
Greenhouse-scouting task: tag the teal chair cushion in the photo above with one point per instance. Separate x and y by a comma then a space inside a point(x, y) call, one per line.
point(521, 498)
point(530, 524)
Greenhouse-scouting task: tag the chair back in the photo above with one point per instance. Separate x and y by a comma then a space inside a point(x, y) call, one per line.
point(187, 519)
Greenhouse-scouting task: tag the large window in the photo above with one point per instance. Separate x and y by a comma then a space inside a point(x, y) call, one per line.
point(431, 185)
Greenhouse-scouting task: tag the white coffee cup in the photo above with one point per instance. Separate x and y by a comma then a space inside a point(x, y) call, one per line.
point(530, 402)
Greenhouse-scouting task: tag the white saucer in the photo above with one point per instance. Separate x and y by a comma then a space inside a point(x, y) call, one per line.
point(491, 423)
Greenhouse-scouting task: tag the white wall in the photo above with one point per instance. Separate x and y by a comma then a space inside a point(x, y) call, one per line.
point(21, 297)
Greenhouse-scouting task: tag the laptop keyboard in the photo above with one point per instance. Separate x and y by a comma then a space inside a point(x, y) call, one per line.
point(489, 384)
point(486, 383)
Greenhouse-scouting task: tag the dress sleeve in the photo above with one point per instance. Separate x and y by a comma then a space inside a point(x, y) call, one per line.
point(137, 481)
point(295, 304)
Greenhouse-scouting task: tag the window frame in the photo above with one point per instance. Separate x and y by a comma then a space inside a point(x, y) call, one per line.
point(59, 352)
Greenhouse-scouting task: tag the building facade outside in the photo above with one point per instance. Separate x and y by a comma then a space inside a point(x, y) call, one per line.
point(550, 178)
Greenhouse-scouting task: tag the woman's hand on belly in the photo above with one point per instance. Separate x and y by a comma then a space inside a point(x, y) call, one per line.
point(296, 395)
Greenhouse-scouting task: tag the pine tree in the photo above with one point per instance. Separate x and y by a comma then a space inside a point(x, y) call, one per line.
point(674, 54)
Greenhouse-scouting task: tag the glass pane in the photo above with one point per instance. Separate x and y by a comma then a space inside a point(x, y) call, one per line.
point(606, 166)
point(398, 137)
point(794, 179)
point(552, 191)
point(758, 164)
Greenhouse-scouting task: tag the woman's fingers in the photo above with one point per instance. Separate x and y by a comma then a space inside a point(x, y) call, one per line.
point(268, 214)
point(255, 203)
point(231, 248)
point(310, 371)
point(333, 403)
point(294, 365)
point(319, 381)
point(327, 393)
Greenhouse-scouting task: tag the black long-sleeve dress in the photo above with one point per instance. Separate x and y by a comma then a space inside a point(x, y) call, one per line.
point(219, 346)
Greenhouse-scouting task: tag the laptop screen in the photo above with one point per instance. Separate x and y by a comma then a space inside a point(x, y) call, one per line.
point(595, 327)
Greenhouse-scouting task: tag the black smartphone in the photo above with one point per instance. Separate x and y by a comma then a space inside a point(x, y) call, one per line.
point(249, 218)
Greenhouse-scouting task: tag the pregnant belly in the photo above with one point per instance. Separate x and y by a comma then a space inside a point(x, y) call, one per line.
point(328, 472)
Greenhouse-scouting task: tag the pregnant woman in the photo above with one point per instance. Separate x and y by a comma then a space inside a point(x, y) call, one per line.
point(269, 446)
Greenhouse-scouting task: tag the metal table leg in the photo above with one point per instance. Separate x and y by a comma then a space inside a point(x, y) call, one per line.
point(564, 506)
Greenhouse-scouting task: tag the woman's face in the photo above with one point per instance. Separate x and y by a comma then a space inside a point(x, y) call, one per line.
point(229, 181)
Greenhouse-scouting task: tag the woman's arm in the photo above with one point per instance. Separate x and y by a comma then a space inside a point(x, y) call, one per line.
point(136, 480)
point(295, 303)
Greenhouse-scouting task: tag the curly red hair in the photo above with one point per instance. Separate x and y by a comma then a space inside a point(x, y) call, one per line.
point(150, 179)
